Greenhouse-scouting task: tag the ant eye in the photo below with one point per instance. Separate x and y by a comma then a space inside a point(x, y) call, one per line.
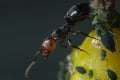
point(47, 47)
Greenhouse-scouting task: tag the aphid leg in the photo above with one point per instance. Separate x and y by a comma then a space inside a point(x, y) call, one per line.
point(35, 58)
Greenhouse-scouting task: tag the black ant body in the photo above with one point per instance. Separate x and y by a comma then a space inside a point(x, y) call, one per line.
point(49, 43)
point(75, 14)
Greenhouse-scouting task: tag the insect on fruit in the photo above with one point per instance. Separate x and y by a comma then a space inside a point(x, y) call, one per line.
point(49, 44)
point(108, 41)
point(75, 14)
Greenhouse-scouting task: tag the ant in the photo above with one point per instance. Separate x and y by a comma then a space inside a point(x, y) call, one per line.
point(76, 14)
point(49, 44)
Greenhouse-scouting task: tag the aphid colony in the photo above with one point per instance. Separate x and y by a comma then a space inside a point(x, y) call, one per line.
point(75, 15)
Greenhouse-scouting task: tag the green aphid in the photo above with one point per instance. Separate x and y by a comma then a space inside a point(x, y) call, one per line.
point(111, 74)
point(98, 31)
point(80, 69)
point(95, 20)
point(90, 73)
point(102, 54)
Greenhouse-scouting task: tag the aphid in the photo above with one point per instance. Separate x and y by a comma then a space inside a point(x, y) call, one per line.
point(112, 75)
point(108, 41)
point(102, 54)
point(90, 73)
point(80, 69)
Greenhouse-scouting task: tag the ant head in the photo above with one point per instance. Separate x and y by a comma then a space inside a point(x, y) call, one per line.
point(77, 13)
point(48, 46)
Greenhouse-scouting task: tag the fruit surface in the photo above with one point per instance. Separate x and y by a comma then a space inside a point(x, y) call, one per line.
point(98, 63)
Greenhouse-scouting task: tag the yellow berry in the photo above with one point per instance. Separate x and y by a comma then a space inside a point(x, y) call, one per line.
point(97, 65)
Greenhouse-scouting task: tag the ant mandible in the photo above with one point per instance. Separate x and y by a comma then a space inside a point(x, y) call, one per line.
point(76, 14)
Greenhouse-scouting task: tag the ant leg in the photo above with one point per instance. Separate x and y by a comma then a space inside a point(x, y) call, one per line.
point(73, 46)
point(88, 35)
point(63, 45)
point(70, 45)
point(35, 58)
point(79, 32)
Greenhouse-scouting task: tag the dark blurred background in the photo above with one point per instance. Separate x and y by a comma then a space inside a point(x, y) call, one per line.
point(23, 26)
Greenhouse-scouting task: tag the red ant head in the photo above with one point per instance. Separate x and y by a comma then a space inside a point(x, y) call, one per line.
point(48, 46)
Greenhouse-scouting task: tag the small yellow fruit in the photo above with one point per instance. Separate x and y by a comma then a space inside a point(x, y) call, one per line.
point(95, 64)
